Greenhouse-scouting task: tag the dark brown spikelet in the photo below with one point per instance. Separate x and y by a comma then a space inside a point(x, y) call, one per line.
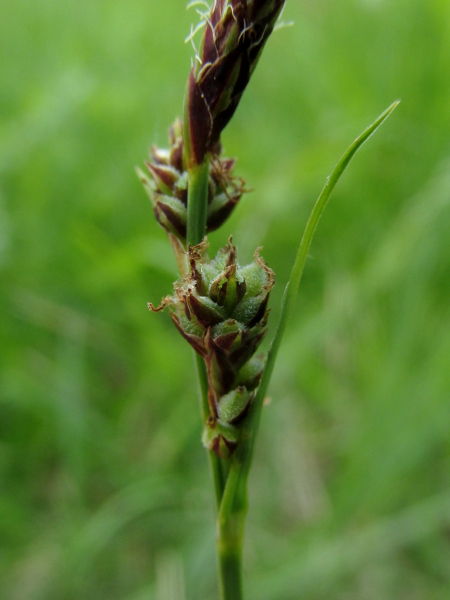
point(235, 34)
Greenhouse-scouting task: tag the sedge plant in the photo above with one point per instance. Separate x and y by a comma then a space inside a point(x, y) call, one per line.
point(219, 306)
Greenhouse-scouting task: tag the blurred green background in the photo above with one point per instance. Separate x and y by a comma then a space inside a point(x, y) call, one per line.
point(104, 485)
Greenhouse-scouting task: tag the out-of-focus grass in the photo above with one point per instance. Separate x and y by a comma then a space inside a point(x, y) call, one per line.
point(104, 488)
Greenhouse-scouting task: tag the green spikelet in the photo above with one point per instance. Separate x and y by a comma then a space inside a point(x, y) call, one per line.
point(166, 184)
point(220, 308)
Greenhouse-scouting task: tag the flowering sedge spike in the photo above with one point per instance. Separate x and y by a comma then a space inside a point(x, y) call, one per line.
point(234, 35)
point(167, 183)
point(220, 308)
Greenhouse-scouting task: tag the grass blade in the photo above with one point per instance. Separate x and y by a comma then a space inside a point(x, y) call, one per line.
point(297, 270)
point(235, 496)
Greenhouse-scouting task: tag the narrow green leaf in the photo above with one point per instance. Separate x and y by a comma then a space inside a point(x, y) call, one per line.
point(235, 496)
point(294, 280)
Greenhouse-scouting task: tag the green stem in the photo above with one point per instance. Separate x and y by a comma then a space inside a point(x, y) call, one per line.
point(216, 465)
point(230, 525)
point(230, 568)
point(198, 180)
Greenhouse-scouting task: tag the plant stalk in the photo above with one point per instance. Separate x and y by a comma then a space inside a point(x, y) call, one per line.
point(230, 524)
point(198, 179)
point(215, 463)
point(231, 527)
point(230, 567)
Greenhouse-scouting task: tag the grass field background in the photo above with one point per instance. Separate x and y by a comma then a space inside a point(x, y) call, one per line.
point(104, 486)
